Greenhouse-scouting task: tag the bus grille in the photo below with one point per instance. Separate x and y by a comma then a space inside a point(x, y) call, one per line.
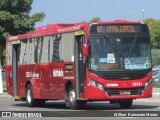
point(117, 92)
point(122, 77)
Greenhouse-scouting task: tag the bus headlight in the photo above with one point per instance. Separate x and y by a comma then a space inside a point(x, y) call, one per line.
point(93, 82)
point(96, 84)
point(147, 83)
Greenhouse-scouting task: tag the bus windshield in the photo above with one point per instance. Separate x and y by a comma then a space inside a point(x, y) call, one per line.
point(119, 53)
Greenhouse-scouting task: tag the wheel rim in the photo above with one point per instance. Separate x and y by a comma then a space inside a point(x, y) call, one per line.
point(29, 98)
point(72, 97)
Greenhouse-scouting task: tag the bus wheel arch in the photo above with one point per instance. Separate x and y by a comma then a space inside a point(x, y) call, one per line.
point(70, 97)
point(27, 83)
point(67, 86)
point(31, 101)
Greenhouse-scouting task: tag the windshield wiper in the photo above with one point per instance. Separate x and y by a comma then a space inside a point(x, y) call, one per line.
point(133, 44)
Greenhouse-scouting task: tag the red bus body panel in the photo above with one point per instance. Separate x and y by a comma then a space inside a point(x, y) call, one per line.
point(44, 85)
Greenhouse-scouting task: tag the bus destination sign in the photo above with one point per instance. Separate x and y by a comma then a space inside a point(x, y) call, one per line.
point(115, 29)
point(97, 29)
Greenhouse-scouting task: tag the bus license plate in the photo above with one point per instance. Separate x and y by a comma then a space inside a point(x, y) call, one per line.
point(125, 92)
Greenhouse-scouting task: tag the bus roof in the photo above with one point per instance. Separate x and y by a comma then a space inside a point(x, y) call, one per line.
point(61, 28)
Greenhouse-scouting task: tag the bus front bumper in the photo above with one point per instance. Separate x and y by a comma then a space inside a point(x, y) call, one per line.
point(93, 93)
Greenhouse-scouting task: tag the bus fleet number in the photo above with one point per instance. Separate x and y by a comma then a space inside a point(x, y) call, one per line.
point(137, 84)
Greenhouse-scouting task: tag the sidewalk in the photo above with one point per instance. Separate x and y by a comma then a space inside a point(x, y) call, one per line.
point(4, 94)
point(156, 92)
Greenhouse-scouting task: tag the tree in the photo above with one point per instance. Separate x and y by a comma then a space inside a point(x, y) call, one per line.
point(154, 26)
point(83, 21)
point(95, 19)
point(15, 19)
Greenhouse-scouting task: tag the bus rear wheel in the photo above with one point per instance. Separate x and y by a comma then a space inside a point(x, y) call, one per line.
point(31, 102)
point(73, 103)
point(125, 104)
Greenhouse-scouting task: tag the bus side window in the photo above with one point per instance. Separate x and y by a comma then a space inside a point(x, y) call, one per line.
point(44, 49)
point(31, 50)
point(50, 48)
point(24, 52)
point(56, 57)
point(9, 54)
point(67, 47)
point(40, 49)
point(36, 51)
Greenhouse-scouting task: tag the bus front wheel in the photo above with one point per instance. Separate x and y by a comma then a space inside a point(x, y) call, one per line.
point(73, 103)
point(125, 104)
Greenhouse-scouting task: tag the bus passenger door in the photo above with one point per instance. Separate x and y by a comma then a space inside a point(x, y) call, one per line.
point(79, 65)
point(15, 60)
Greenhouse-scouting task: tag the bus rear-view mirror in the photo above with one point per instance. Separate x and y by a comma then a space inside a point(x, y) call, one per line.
point(85, 50)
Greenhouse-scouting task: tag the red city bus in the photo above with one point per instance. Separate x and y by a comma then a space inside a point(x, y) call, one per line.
point(104, 61)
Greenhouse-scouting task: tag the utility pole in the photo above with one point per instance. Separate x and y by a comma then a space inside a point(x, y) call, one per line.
point(143, 15)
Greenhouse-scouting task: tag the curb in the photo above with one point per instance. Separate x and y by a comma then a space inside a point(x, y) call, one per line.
point(4, 95)
point(156, 94)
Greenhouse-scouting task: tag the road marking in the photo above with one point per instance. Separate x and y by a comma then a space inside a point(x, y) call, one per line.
point(14, 109)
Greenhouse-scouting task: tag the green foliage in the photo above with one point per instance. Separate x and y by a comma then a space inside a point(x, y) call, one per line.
point(155, 57)
point(83, 21)
point(15, 19)
point(154, 26)
point(2, 59)
point(95, 19)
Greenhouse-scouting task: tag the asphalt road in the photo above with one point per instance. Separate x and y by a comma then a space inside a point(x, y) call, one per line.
point(92, 110)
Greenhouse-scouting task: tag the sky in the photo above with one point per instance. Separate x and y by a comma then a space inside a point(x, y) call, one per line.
point(75, 11)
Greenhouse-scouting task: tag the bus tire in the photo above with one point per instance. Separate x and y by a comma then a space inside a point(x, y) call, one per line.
point(31, 102)
point(73, 103)
point(125, 104)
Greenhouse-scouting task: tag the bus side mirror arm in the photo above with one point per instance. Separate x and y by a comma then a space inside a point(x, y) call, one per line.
point(85, 50)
